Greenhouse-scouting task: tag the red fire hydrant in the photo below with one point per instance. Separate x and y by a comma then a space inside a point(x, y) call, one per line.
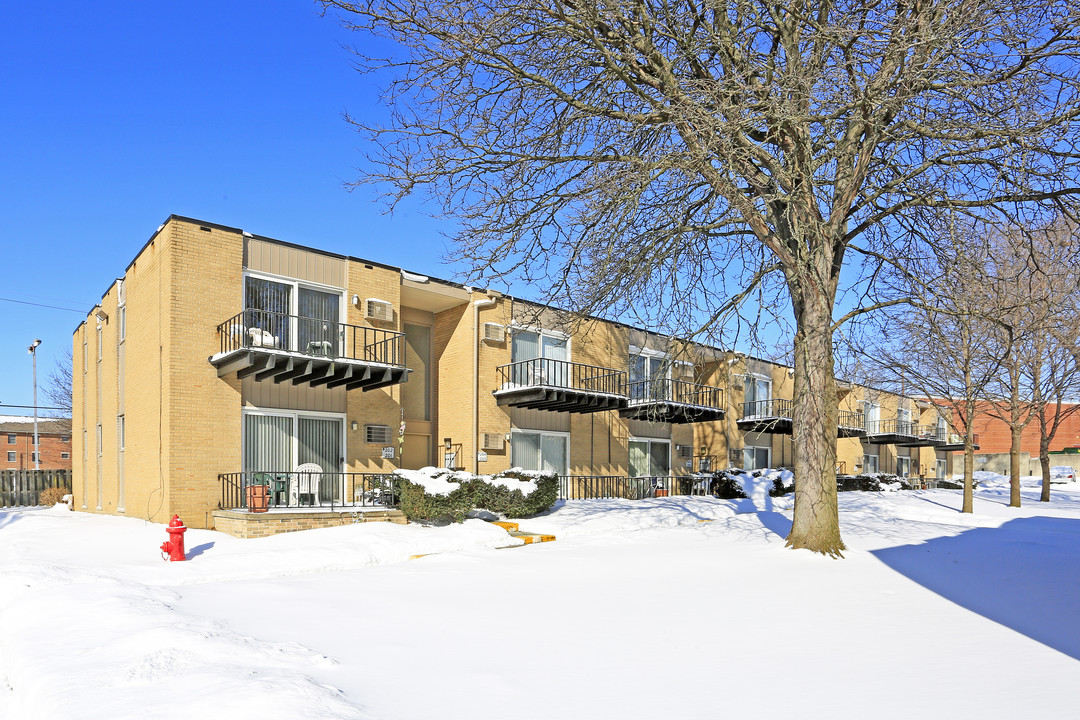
point(173, 548)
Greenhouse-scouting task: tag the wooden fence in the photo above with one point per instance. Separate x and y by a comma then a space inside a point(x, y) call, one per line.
point(22, 487)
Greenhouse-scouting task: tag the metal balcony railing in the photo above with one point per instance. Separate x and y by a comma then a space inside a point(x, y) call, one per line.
point(774, 408)
point(291, 490)
point(850, 419)
point(892, 426)
point(547, 373)
point(666, 390)
point(313, 337)
point(589, 487)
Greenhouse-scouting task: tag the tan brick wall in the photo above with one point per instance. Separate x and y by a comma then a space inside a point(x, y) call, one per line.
point(381, 406)
point(256, 525)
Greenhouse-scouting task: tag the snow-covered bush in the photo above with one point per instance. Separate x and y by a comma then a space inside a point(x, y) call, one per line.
point(50, 496)
point(725, 484)
point(439, 495)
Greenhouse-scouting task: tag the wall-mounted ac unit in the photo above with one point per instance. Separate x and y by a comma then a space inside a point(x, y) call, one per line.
point(377, 434)
point(684, 451)
point(494, 332)
point(375, 309)
point(491, 441)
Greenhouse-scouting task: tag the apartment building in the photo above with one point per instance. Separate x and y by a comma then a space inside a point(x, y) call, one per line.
point(17, 438)
point(223, 360)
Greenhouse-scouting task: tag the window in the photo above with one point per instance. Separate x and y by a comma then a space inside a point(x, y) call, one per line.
point(543, 357)
point(757, 392)
point(85, 355)
point(539, 451)
point(65, 456)
point(940, 469)
point(292, 316)
point(757, 457)
point(84, 445)
point(649, 458)
point(65, 438)
point(279, 442)
point(904, 423)
point(11, 438)
point(122, 318)
point(648, 373)
point(120, 431)
point(11, 456)
point(99, 342)
point(870, 464)
point(903, 466)
point(872, 414)
point(942, 429)
point(35, 457)
point(99, 439)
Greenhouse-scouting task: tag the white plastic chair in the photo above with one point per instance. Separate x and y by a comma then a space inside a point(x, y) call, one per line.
point(305, 481)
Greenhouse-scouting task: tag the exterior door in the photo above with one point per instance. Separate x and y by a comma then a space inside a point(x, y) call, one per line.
point(318, 332)
point(319, 442)
point(416, 453)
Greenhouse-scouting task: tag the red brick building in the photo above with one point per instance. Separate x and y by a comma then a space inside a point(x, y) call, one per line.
point(995, 436)
point(17, 443)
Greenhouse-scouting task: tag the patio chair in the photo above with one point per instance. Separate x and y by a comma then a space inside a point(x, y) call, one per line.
point(305, 481)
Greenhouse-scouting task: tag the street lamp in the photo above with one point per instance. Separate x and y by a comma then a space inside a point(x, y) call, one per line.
point(37, 452)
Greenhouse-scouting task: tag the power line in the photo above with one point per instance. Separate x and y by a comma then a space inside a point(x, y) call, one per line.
point(26, 302)
point(39, 407)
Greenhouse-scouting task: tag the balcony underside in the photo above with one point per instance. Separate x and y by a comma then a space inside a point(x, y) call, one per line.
point(901, 440)
point(671, 412)
point(559, 399)
point(920, 442)
point(952, 447)
point(762, 424)
point(301, 369)
point(850, 432)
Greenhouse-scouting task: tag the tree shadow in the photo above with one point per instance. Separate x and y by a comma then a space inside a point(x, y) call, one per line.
point(1022, 575)
point(776, 522)
point(8, 517)
point(199, 550)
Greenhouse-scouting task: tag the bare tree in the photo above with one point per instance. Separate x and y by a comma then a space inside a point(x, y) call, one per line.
point(1052, 364)
point(946, 344)
point(689, 156)
point(57, 388)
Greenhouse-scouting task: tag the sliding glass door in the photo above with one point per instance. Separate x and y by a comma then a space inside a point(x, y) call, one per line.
point(281, 442)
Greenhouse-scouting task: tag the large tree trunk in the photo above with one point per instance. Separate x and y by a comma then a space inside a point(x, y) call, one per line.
point(1014, 465)
point(816, 523)
point(969, 474)
point(1044, 462)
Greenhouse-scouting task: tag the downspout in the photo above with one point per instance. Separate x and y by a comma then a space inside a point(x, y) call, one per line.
point(477, 304)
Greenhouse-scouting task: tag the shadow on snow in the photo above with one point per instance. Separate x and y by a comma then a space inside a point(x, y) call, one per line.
point(1023, 575)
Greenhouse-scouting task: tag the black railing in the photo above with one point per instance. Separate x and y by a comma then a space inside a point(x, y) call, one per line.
point(642, 392)
point(591, 487)
point(544, 372)
point(906, 428)
point(774, 408)
point(293, 489)
point(850, 419)
point(310, 336)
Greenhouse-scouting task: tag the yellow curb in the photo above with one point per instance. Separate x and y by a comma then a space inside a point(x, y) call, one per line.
point(530, 538)
point(506, 525)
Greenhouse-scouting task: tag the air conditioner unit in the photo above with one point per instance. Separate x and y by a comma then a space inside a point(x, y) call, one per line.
point(684, 451)
point(375, 309)
point(494, 332)
point(492, 441)
point(377, 434)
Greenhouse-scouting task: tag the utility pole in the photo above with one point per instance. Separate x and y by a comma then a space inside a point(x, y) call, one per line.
point(37, 451)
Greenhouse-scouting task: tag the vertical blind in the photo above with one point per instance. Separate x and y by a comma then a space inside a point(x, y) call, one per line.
point(268, 443)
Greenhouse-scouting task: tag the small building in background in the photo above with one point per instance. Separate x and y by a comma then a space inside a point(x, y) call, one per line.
point(17, 443)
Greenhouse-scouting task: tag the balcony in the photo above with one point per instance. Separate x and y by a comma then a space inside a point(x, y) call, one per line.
point(850, 423)
point(956, 442)
point(903, 433)
point(673, 401)
point(308, 351)
point(560, 385)
point(295, 490)
point(767, 416)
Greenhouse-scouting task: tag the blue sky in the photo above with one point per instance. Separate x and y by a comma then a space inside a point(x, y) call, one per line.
point(116, 114)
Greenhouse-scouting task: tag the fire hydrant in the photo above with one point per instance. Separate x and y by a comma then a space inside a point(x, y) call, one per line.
point(173, 548)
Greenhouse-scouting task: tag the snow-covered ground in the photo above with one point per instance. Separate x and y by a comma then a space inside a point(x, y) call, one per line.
point(679, 607)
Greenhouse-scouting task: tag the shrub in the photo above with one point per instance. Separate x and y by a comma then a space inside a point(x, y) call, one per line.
point(725, 486)
point(476, 493)
point(53, 495)
point(779, 489)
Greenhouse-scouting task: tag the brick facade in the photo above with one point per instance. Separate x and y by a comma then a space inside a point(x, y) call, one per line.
point(154, 379)
point(17, 443)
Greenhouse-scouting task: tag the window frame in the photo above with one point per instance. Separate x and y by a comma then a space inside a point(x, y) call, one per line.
point(565, 436)
point(648, 453)
point(756, 449)
point(13, 456)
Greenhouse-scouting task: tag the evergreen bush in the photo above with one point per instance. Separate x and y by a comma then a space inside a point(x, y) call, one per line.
point(476, 493)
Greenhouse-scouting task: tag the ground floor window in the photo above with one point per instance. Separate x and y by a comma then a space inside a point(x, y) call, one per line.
point(281, 441)
point(649, 458)
point(870, 464)
point(903, 466)
point(941, 469)
point(756, 457)
point(539, 451)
